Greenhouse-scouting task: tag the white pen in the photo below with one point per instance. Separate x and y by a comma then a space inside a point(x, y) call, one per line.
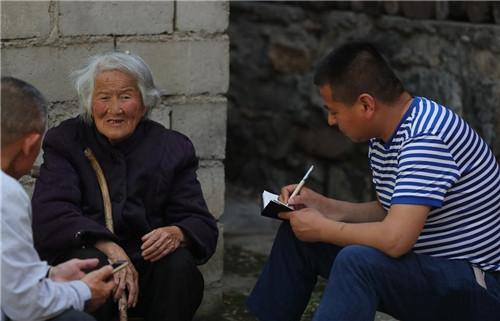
point(302, 182)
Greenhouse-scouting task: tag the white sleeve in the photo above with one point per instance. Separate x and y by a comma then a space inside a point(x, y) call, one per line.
point(26, 292)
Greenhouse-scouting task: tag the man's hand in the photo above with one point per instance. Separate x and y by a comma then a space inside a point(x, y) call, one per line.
point(101, 284)
point(160, 242)
point(306, 198)
point(307, 224)
point(125, 279)
point(71, 270)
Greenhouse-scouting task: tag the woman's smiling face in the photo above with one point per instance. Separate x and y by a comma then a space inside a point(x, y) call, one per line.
point(117, 106)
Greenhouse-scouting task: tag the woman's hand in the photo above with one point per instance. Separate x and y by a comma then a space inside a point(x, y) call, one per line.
point(160, 242)
point(124, 279)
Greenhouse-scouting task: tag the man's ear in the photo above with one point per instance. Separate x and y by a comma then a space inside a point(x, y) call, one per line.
point(31, 143)
point(367, 102)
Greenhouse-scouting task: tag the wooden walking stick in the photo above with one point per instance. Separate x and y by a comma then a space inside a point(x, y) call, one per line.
point(122, 303)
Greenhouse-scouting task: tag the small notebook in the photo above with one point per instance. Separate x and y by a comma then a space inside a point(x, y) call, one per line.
point(272, 206)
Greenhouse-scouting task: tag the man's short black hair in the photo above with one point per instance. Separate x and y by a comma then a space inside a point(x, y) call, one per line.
point(24, 110)
point(356, 68)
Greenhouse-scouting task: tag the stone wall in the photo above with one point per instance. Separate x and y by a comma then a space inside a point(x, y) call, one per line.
point(276, 125)
point(185, 44)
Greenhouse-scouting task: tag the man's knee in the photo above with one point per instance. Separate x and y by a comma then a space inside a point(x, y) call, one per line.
point(73, 315)
point(359, 258)
point(285, 233)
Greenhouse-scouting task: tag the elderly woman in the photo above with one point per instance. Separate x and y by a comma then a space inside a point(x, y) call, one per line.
point(161, 223)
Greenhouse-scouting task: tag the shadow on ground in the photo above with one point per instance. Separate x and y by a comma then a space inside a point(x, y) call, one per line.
point(248, 239)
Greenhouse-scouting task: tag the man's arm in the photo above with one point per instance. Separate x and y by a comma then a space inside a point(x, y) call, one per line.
point(394, 236)
point(356, 212)
point(26, 292)
point(334, 209)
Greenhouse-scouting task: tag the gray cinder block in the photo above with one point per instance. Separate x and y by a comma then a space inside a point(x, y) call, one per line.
point(211, 177)
point(186, 66)
point(48, 68)
point(209, 16)
point(115, 17)
point(205, 125)
point(25, 19)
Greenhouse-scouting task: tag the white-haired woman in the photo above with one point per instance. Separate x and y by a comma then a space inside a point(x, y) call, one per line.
point(161, 223)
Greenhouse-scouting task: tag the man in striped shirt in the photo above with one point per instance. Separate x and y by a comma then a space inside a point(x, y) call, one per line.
point(428, 248)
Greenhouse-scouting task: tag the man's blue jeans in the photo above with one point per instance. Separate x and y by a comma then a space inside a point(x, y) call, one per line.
point(362, 280)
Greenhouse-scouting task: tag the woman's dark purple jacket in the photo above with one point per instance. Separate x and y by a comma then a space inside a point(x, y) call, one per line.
point(152, 182)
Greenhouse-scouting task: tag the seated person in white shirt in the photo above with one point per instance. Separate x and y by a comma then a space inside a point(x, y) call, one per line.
point(31, 289)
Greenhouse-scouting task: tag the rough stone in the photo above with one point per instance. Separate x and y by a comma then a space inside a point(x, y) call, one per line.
point(187, 66)
point(60, 111)
point(25, 19)
point(442, 10)
point(439, 86)
point(210, 16)
point(28, 183)
point(270, 112)
point(478, 11)
point(205, 125)
point(286, 59)
point(329, 143)
point(211, 177)
point(418, 10)
point(487, 64)
point(115, 17)
point(39, 64)
point(391, 7)
point(496, 12)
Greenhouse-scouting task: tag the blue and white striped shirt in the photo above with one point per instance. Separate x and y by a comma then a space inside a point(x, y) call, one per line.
point(435, 158)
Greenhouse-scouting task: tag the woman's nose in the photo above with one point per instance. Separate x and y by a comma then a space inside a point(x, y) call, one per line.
point(114, 107)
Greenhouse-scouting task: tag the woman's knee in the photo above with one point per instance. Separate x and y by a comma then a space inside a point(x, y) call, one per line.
point(180, 261)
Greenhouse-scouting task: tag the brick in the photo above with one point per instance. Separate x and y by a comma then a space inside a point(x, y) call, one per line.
point(187, 66)
point(161, 114)
point(205, 125)
point(25, 19)
point(115, 17)
point(49, 68)
point(211, 177)
point(210, 16)
point(212, 271)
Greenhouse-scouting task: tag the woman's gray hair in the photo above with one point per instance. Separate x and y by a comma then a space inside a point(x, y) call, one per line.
point(128, 63)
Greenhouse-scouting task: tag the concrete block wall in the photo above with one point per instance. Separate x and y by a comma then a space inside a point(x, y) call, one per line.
point(184, 42)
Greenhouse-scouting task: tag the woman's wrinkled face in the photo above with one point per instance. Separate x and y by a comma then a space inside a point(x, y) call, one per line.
point(117, 106)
